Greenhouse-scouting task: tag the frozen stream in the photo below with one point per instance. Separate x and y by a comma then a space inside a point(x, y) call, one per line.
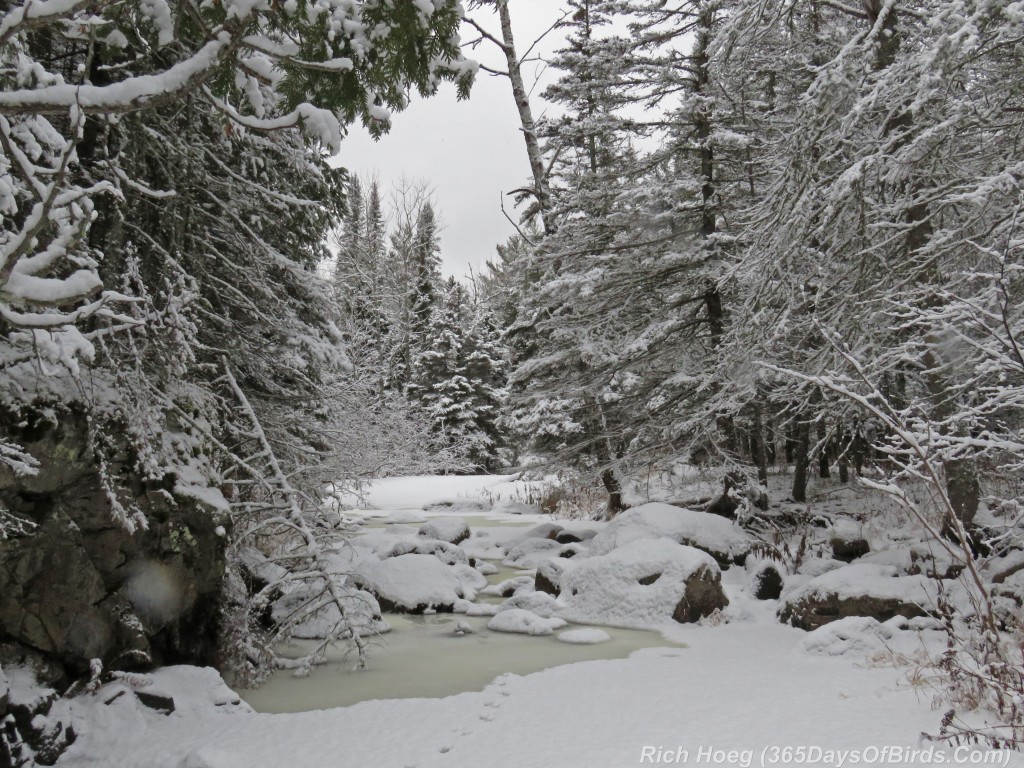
point(423, 657)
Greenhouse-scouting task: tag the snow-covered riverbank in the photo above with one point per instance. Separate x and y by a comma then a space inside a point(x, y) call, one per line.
point(744, 682)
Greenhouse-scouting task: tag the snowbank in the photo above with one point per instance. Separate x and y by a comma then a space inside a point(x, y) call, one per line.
point(721, 538)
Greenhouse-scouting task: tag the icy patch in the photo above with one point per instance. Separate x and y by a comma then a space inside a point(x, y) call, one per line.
point(584, 636)
point(523, 622)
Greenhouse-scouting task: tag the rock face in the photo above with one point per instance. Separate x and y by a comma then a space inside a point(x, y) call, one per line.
point(80, 586)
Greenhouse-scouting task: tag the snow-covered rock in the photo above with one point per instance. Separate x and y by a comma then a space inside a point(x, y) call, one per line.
point(453, 530)
point(549, 576)
point(862, 636)
point(388, 544)
point(416, 583)
point(644, 583)
point(530, 553)
point(860, 589)
point(509, 587)
point(848, 541)
point(543, 531)
point(540, 603)
point(524, 622)
point(584, 636)
point(470, 608)
point(721, 538)
point(766, 579)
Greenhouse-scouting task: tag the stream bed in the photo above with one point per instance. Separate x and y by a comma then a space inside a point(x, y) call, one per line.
point(423, 656)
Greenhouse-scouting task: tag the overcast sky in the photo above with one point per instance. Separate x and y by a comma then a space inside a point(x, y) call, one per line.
point(470, 152)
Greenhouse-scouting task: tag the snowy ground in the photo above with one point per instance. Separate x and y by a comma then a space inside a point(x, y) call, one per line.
point(747, 692)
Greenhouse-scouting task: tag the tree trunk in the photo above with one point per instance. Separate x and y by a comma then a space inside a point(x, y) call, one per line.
point(529, 126)
point(823, 468)
point(801, 457)
point(844, 465)
point(760, 455)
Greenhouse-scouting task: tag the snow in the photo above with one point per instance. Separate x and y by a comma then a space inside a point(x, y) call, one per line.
point(863, 637)
point(605, 589)
point(524, 622)
point(540, 603)
point(532, 552)
point(450, 529)
point(412, 581)
point(655, 520)
point(601, 714)
point(749, 683)
point(420, 492)
point(867, 579)
point(584, 636)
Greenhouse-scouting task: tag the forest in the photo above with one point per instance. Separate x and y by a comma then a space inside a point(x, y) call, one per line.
point(776, 245)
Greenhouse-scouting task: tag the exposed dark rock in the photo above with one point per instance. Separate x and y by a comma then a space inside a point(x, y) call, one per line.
point(648, 580)
point(82, 586)
point(156, 701)
point(548, 577)
point(567, 537)
point(766, 583)
point(703, 595)
point(933, 562)
point(815, 611)
point(723, 506)
point(849, 548)
point(28, 735)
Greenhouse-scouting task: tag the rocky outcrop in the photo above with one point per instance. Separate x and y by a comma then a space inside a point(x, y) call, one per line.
point(77, 585)
point(875, 591)
point(702, 595)
point(29, 734)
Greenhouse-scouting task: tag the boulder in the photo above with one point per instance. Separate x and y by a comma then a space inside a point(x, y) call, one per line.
point(849, 549)
point(874, 591)
point(847, 541)
point(643, 583)
point(416, 583)
point(549, 577)
point(451, 529)
point(723, 539)
point(80, 585)
point(766, 581)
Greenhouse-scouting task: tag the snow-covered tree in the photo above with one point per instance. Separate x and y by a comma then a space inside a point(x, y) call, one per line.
point(458, 378)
